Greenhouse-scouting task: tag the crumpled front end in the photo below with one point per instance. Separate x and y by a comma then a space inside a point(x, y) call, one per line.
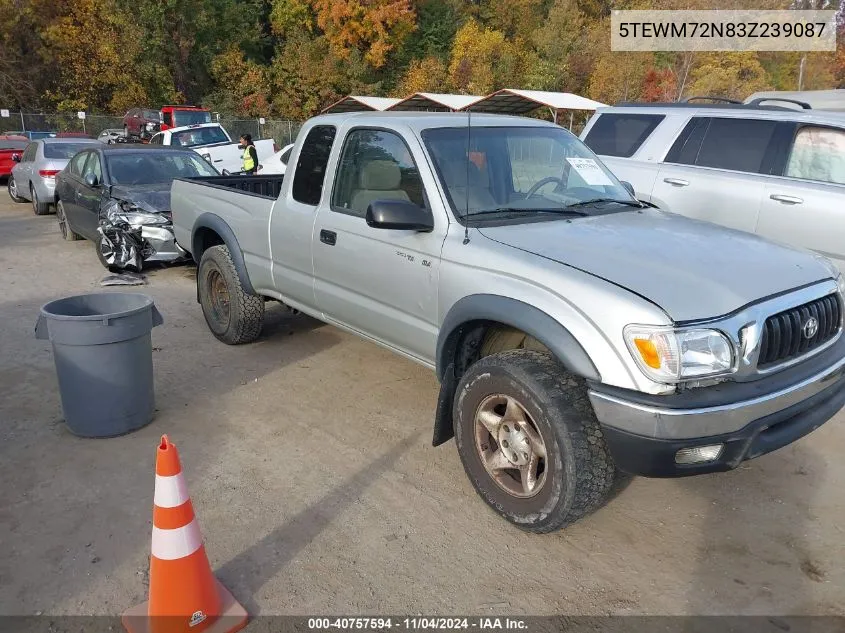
point(132, 233)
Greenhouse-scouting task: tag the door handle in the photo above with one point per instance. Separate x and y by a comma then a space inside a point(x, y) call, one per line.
point(328, 237)
point(677, 182)
point(786, 199)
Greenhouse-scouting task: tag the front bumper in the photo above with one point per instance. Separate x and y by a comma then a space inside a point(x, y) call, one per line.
point(644, 438)
point(163, 244)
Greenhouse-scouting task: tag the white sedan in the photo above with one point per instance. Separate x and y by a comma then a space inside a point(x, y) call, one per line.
point(277, 163)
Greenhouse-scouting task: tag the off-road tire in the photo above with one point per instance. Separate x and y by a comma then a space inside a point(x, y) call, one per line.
point(65, 231)
point(245, 311)
point(38, 207)
point(12, 186)
point(580, 471)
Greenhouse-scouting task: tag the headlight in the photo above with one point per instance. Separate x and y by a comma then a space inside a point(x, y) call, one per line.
point(139, 218)
point(668, 355)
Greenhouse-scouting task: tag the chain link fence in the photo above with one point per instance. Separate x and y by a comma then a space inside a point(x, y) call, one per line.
point(281, 131)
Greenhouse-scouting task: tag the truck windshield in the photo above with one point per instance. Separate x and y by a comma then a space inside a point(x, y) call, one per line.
point(146, 168)
point(518, 170)
point(199, 136)
point(190, 117)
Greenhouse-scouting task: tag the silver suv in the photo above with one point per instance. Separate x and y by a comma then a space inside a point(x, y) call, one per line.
point(771, 170)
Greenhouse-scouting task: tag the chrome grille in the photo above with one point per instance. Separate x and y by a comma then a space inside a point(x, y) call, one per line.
point(785, 334)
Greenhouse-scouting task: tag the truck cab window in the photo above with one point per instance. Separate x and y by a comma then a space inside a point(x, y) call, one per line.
point(311, 168)
point(375, 165)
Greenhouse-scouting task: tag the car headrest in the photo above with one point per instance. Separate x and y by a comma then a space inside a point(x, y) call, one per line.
point(380, 175)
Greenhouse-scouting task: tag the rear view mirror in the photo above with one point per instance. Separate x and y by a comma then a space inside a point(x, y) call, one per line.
point(16, 158)
point(629, 187)
point(91, 180)
point(399, 215)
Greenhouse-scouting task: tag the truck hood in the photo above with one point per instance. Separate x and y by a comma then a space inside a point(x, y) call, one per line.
point(691, 269)
point(154, 198)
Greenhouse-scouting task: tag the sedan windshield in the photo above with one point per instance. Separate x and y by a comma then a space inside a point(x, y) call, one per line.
point(522, 170)
point(63, 151)
point(199, 136)
point(146, 168)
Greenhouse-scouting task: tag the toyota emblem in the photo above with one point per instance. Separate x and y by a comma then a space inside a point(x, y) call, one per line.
point(811, 326)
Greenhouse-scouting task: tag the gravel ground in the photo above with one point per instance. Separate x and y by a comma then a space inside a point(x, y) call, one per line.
point(309, 462)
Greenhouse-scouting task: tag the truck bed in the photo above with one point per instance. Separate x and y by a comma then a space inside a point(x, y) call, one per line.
point(265, 186)
point(243, 203)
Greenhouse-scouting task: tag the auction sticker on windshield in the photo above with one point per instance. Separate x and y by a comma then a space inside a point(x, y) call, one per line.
point(590, 171)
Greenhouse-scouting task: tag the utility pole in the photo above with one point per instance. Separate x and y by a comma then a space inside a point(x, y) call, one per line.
point(801, 72)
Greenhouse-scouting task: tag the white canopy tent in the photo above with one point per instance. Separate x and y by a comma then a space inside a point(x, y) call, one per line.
point(353, 103)
point(434, 102)
point(513, 101)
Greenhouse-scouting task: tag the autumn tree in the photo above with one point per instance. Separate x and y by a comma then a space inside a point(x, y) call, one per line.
point(423, 75)
point(483, 60)
point(372, 27)
point(733, 75)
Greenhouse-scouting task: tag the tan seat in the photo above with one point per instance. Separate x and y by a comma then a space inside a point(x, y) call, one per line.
point(378, 180)
point(476, 196)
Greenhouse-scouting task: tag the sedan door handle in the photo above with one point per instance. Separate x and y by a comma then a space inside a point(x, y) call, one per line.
point(328, 237)
point(677, 182)
point(786, 199)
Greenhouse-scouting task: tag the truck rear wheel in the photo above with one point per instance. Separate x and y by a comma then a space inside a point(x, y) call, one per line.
point(530, 442)
point(233, 315)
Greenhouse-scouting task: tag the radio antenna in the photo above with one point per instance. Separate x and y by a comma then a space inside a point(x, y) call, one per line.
point(466, 191)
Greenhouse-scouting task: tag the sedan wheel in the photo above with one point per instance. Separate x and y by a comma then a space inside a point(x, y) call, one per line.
point(67, 232)
point(38, 207)
point(13, 190)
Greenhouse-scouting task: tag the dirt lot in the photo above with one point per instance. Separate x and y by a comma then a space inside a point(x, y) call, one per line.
point(309, 462)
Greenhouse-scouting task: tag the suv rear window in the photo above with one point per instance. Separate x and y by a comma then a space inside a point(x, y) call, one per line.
point(725, 143)
point(621, 134)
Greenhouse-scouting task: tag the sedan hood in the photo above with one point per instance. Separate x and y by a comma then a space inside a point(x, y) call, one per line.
point(693, 270)
point(154, 198)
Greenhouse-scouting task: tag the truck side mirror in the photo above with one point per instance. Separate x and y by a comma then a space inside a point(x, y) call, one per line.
point(399, 215)
point(629, 187)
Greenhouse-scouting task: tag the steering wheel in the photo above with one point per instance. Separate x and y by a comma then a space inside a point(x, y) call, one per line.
point(542, 183)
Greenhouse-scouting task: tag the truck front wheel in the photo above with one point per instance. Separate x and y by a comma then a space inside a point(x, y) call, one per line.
point(530, 442)
point(233, 315)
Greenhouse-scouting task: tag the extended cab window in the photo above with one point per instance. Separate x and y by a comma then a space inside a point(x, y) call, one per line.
point(818, 154)
point(621, 134)
point(726, 143)
point(311, 168)
point(375, 165)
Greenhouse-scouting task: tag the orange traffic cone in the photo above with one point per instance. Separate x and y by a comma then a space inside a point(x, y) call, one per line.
point(184, 594)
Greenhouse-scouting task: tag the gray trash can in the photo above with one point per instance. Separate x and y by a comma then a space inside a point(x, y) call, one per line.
point(104, 360)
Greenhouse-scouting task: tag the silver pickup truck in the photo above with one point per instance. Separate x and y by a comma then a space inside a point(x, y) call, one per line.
point(576, 334)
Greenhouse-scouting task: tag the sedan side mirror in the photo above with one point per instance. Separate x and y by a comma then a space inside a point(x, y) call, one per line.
point(629, 187)
point(399, 215)
point(16, 158)
point(91, 180)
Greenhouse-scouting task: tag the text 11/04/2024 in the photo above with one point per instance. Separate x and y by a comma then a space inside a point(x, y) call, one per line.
point(417, 623)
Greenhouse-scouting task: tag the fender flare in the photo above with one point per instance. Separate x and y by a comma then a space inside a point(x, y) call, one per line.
point(218, 225)
point(531, 320)
point(517, 314)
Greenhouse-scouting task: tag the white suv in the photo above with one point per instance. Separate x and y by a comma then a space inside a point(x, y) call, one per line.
point(775, 171)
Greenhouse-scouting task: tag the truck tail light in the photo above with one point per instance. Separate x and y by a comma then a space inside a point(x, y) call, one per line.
point(48, 173)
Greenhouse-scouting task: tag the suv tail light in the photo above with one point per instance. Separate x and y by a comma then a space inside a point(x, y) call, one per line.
point(48, 173)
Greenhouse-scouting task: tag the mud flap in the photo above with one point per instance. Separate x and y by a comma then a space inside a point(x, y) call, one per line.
point(444, 429)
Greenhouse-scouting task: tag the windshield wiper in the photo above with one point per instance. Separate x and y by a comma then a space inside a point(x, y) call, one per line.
point(560, 210)
point(584, 203)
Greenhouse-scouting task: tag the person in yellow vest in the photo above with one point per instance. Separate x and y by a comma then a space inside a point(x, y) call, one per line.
point(250, 155)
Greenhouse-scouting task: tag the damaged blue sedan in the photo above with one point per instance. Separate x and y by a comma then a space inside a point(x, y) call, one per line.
point(119, 198)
